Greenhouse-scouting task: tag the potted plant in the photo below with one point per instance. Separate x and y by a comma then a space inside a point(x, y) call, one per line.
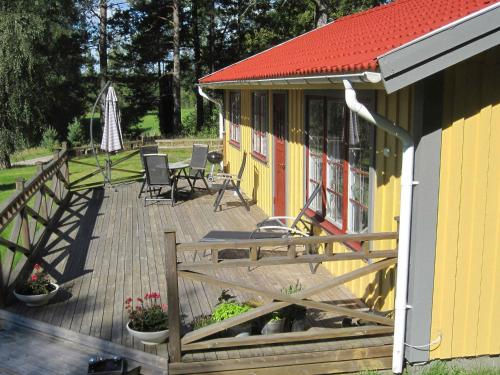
point(148, 320)
point(275, 324)
point(37, 290)
point(226, 310)
point(295, 315)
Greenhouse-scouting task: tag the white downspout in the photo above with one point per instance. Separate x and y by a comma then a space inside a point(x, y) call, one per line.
point(219, 105)
point(404, 219)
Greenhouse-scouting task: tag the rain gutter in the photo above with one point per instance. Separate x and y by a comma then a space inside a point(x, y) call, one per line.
point(218, 103)
point(404, 218)
point(364, 77)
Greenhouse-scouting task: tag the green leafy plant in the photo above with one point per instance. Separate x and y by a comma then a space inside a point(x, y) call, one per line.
point(148, 315)
point(49, 139)
point(275, 316)
point(292, 288)
point(227, 310)
point(293, 312)
point(76, 135)
point(38, 283)
point(201, 321)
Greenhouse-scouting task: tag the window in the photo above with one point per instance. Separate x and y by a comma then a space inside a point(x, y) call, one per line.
point(234, 118)
point(339, 158)
point(259, 124)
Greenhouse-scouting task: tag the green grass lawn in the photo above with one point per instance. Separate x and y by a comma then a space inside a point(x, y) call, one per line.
point(78, 170)
point(149, 125)
point(8, 179)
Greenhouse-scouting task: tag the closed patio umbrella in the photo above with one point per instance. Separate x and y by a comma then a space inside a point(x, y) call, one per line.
point(112, 140)
point(112, 133)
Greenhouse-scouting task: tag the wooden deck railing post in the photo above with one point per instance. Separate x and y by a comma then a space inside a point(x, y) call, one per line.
point(25, 229)
point(174, 317)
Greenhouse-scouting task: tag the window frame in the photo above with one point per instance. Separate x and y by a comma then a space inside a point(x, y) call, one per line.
point(321, 215)
point(235, 141)
point(260, 135)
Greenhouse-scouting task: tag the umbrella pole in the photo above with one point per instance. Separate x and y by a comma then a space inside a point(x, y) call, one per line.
point(104, 174)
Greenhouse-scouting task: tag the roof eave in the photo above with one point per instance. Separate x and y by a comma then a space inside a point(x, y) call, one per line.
point(364, 77)
point(440, 49)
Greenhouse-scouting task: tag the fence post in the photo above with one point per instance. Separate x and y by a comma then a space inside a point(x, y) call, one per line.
point(43, 204)
point(174, 317)
point(25, 229)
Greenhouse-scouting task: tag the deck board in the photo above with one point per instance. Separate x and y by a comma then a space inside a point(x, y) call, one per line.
point(113, 248)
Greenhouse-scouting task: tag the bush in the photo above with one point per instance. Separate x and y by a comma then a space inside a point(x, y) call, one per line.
point(49, 139)
point(76, 135)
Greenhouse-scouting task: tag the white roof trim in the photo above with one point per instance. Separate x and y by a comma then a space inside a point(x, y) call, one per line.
point(366, 77)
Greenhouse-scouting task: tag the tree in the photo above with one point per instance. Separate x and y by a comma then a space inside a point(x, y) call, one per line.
point(103, 42)
point(40, 80)
point(139, 60)
point(176, 77)
point(197, 63)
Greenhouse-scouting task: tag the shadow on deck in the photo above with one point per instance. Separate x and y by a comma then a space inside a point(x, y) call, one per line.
point(108, 247)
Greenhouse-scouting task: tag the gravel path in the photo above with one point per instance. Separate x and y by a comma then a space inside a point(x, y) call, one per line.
point(42, 159)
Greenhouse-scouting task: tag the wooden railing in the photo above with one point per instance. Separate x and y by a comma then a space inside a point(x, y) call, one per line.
point(298, 250)
point(213, 143)
point(133, 147)
point(29, 215)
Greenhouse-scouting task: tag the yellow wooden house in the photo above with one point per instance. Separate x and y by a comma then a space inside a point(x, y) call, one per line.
point(428, 69)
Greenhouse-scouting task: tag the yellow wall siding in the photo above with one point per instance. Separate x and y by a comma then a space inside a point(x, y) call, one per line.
point(257, 178)
point(466, 300)
point(376, 289)
point(295, 152)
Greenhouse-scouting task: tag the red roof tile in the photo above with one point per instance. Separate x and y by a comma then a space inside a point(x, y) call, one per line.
point(352, 43)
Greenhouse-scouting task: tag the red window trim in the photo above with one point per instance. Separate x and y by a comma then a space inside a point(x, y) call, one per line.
point(232, 125)
point(259, 156)
point(330, 228)
point(233, 143)
point(322, 220)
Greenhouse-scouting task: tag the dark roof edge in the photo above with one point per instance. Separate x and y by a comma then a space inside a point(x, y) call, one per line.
point(441, 48)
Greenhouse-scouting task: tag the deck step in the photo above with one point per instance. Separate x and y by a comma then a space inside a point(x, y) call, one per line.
point(9, 320)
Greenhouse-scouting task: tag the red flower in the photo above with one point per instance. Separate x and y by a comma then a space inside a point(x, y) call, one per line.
point(139, 299)
point(34, 277)
point(147, 296)
point(37, 267)
point(128, 300)
point(155, 295)
point(164, 307)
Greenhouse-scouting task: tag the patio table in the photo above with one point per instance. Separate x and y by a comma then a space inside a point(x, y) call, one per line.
point(180, 168)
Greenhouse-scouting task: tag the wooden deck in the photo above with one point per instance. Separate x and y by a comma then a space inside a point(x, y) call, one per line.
point(108, 246)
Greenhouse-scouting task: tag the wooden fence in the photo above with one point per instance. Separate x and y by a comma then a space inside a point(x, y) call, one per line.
point(172, 144)
point(134, 146)
point(30, 214)
point(214, 143)
point(197, 340)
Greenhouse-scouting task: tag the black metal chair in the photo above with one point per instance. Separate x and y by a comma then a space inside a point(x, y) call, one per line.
point(230, 183)
point(198, 164)
point(158, 176)
point(153, 149)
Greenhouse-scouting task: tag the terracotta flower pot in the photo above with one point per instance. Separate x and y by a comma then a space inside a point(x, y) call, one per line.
point(38, 299)
point(149, 338)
